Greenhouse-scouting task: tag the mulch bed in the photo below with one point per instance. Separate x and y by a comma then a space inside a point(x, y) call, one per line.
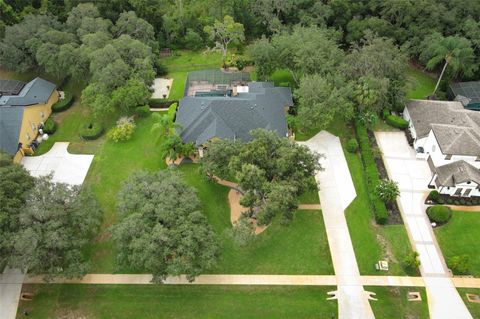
point(394, 215)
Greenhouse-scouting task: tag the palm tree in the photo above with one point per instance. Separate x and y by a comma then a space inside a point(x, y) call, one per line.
point(453, 51)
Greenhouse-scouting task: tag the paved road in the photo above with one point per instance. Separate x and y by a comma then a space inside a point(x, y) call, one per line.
point(336, 193)
point(413, 176)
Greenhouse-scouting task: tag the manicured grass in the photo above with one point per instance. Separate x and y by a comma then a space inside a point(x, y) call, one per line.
point(309, 197)
point(162, 301)
point(474, 308)
point(460, 236)
point(420, 84)
point(300, 247)
point(393, 303)
point(371, 242)
point(112, 164)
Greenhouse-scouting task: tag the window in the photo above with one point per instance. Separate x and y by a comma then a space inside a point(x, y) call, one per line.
point(27, 136)
point(458, 192)
point(34, 127)
point(42, 115)
point(467, 192)
point(448, 157)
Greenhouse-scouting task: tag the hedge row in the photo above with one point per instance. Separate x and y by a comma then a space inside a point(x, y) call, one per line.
point(160, 103)
point(64, 104)
point(91, 130)
point(396, 121)
point(50, 126)
point(371, 173)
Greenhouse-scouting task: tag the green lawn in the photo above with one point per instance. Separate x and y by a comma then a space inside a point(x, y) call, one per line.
point(300, 247)
point(161, 301)
point(420, 84)
point(474, 308)
point(461, 237)
point(392, 303)
point(371, 242)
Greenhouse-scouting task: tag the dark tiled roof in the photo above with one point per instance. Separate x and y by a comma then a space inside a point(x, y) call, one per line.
point(456, 173)
point(10, 124)
point(202, 118)
point(456, 129)
point(37, 91)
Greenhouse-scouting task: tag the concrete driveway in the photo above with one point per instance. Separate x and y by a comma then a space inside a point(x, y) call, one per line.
point(413, 176)
point(66, 168)
point(336, 193)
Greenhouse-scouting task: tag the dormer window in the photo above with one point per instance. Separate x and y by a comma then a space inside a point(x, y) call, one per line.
point(448, 157)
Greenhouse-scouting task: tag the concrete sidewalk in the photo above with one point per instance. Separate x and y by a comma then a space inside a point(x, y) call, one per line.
point(336, 193)
point(10, 287)
point(413, 176)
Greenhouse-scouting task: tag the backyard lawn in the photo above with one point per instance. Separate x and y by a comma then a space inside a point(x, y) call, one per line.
point(393, 303)
point(155, 301)
point(474, 308)
point(420, 84)
point(461, 237)
point(300, 247)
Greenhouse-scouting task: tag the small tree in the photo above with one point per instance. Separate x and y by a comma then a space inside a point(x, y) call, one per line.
point(387, 190)
point(412, 260)
point(224, 33)
point(243, 231)
point(123, 131)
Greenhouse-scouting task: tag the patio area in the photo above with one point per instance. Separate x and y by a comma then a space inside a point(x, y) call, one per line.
point(66, 168)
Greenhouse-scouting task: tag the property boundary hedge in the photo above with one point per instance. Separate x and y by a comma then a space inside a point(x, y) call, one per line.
point(161, 103)
point(371, 173)
point(63, 104)
point(50, 126)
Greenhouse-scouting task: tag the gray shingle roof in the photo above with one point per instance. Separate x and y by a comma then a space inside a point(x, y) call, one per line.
point(37, 91)
point(456, 173)
point(10, 124)
point(202, 118)
point(456, 129)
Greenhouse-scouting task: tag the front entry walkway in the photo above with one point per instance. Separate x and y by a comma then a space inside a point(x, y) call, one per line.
point(336, 193)
point(413, 176)
point(66, 168)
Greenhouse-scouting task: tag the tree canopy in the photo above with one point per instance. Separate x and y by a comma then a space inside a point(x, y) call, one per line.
point(271, 171)
point(162, 229)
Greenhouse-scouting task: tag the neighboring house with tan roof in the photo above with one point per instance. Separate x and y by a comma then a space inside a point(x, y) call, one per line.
point(448, 135)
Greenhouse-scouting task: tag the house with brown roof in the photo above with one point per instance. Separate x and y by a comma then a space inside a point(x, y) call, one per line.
point(448, 136)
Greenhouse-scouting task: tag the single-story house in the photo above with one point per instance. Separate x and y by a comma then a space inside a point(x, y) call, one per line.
point(23, 108)
point(448, 136)
point(457, 179)
point(467, 93)
point(233, 111)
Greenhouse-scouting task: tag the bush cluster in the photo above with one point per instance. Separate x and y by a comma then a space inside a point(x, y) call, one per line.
point(439, 214)
point(460, 265)
point(352, 145)
point(396, 121)
point(64, 104)
point(372, 175)
point(434, 196)
point(123, 131)
point(142, 111)
point(91, 130)
point(50, 126)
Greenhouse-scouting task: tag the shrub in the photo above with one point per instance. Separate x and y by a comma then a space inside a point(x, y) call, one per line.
point(396, 121)
point(160, 68)
point(460, 265)
point(143, 111)
point(284, 84)
point(91, 130)
point(412, 261)
point(64, 104)
point(434, 196)
point(385, 113)
point(123, 131)
point(439, 214)
point(352, 145)
point(192, 40)
point(50, 126)
point(387, 190)
point(371, 173)
point(160, 103)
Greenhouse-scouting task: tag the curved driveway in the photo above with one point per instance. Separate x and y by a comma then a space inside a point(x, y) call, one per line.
point(336, 193)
